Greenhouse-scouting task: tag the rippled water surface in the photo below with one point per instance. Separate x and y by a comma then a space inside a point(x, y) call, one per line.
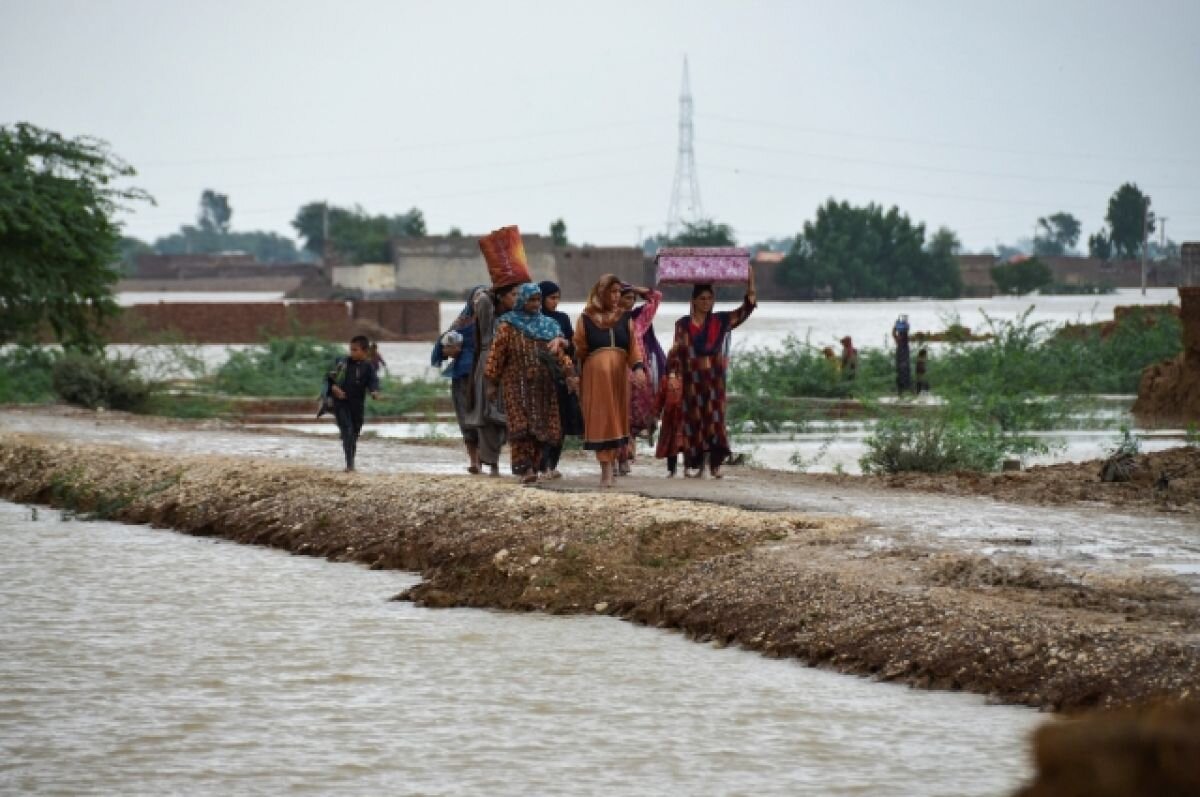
point(141, 661)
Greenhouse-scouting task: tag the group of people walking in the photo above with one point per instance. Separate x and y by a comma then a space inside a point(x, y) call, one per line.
point(524, 375)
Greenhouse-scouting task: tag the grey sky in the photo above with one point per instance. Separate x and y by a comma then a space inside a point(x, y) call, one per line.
point(978, 116)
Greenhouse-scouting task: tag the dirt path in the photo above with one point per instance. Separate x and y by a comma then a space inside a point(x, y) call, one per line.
point(813, 586)
point(1086, 537)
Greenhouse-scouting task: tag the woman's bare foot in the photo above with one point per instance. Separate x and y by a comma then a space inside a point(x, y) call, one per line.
point(716, 473)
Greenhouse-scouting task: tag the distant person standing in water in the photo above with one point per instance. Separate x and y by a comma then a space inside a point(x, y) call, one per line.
point(922, 371)
point(351, 379)
point(903, 356)
point(849, 359)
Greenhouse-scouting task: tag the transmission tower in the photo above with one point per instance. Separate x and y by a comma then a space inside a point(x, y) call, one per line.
point(685, 193)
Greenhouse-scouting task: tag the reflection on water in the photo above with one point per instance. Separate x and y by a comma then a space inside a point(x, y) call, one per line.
point(143, 661)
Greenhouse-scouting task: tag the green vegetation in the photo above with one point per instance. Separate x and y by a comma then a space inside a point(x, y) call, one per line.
point(26, 375)
point(1027, 377)
point(867, 252)
point(1128, 217)
point(59, 245)
point(1022, 277)
point(937, 443)
point(1056, 235)
point(213, 234)
point(280, 367)
point(353, 233)
point(100, 382)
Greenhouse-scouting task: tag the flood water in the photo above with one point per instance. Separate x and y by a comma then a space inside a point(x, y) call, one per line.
point(820, 323)
point(141, 661)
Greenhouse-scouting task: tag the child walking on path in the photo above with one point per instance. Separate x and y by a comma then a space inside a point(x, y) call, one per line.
point(668, 405)
point(351, 379)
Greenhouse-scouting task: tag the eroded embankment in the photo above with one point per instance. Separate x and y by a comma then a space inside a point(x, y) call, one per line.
point(782, 583)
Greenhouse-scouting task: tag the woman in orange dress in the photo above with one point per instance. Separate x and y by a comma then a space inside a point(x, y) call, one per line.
point(607, 345)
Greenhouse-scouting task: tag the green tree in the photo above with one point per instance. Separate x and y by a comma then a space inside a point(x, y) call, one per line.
point(1022, 276)
point(1126, 210)
point(705, 232)
point(1057, 235)
point(1100, 245)
point(58, 240)
point(866, 252)
point(129, 248)
point(215, 212)
point(353, 233)
point(558, 232)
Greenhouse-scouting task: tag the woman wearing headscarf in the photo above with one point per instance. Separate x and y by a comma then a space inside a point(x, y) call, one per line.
point(702, 346)
point(459, 343)
point(641, 399)
point(486, 414)
point(516, 367)
point(900, 332)
point(568, 404)
point(607, 345)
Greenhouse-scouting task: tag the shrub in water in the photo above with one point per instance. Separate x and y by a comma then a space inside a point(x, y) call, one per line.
point(281, 367)
point(98, 381)
point(931, 445)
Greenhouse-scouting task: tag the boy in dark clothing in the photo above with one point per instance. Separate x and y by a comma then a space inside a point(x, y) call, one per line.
point(922, 371)
point(351, 379)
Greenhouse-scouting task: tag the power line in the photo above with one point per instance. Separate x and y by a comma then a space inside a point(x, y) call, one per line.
point(398, 148)
point(943, 144)
point(926, 168)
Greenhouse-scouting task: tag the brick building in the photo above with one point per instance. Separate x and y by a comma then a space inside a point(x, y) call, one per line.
point(439, 265)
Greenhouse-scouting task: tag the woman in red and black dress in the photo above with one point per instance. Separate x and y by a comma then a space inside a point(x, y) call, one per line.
point(702, 347)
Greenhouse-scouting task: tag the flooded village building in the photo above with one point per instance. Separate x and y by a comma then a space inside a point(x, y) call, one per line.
point(447, 266)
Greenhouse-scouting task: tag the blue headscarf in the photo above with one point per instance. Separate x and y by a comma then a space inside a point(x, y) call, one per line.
point(532, 325)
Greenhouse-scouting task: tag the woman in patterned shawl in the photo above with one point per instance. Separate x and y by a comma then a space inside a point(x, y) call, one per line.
point(702, 346)
point(607, 345)
point(516, 367)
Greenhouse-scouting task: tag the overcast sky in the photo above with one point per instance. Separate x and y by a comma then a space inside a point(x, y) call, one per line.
point(980, 116)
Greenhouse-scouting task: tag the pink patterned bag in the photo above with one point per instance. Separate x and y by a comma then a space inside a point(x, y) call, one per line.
point(716, 265)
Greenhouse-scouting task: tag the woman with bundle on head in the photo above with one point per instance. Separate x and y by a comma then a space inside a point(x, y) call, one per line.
point(458, 343)
point(702, 346)
point(641, 399)
point(607, 345)
point(486, 414)
point(568, 403)
point(516, 367)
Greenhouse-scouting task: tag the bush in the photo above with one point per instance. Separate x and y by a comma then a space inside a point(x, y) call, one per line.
point(281, 367)
point(762, 381)
point(1022, 276)
point(98, 381)
point(25, 375)
point(938, 444)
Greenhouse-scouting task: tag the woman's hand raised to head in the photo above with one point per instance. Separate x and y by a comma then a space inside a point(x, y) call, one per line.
point(751, 293)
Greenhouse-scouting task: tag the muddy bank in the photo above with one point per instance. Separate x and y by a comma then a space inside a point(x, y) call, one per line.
point(814, 588)
point(1163, 481)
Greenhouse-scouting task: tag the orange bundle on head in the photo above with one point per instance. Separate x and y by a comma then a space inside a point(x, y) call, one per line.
point(505, 257)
